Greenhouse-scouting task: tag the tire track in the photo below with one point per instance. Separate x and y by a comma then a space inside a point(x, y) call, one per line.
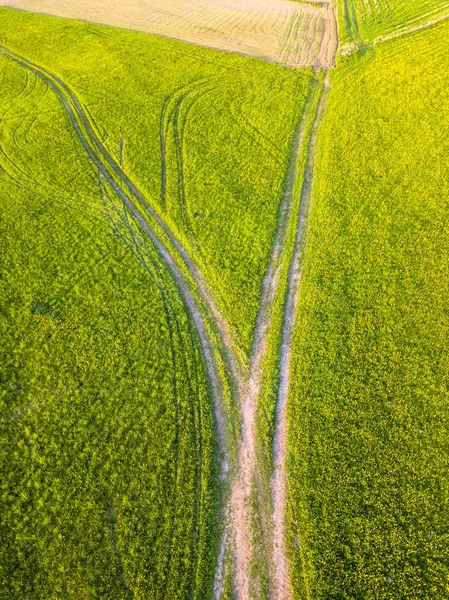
point(281, 585)
point(211, 327)
point(175, 113)
point(248, 453)
point(109, 169)
point(166, 119)
point(136, 246)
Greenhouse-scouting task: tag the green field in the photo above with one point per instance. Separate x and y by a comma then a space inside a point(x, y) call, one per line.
point(159, 412)
point(223, 308)
point(107, 450)
point(364, 21)
point(369, 410)
point(212, 173)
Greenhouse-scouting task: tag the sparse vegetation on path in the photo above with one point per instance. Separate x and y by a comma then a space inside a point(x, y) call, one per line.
point(280, 563)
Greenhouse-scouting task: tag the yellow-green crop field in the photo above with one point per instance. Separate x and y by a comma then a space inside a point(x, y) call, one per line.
point(369, 411)
point(224, 286)
point(368, 21)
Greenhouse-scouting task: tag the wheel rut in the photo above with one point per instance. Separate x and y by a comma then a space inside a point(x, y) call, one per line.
point(242, 516)
point(216, 339)
point(210, 326)
point(281, 585)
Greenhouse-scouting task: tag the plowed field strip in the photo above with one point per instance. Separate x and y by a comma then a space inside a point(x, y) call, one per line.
point(250, 27)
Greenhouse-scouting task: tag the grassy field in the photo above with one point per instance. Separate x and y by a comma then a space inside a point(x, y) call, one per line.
point(207, 153)
point(108, 462)
point(369, 414)
point(223, 289)
point(191, 105)
point(363, 21)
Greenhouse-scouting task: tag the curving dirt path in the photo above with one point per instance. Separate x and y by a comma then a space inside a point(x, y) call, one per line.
point(205, 317)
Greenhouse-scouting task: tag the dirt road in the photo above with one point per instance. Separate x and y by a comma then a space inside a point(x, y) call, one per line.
point(281, 586)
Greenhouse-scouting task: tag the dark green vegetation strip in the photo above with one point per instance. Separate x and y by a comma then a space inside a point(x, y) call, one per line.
point(197, 139)
point(362, 21)
point(369, 410)
point(107, 448)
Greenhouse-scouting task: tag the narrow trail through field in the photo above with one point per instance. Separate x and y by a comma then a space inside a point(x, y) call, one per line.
point(281, 585)
point(242, 510)
point(205, 316)
point(247, 457)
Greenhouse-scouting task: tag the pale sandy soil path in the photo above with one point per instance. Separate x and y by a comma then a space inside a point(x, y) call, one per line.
point(281, 585)
point(243, 485)
point(248, 451)
point(281, 31)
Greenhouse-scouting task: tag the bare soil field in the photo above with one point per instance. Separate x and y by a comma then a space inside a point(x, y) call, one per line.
point(292, 33)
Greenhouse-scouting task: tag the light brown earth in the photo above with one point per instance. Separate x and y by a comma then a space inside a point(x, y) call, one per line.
point(291, 33)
